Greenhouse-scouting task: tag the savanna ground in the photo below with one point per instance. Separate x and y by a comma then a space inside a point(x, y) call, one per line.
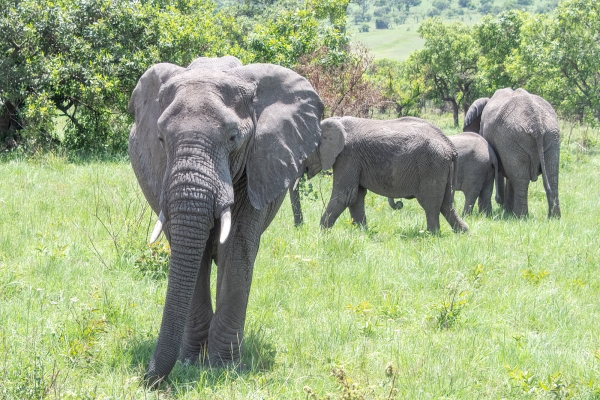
point(508, 310)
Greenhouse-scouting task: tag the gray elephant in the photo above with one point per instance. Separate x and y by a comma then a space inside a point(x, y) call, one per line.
point(214, 148)
point(522, 128)
point(477, 171)
point(407, 157)
point(477, 168)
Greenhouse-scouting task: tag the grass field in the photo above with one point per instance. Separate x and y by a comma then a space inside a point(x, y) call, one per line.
point(508, 310)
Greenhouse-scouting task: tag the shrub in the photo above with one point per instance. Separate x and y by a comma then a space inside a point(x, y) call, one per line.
point(382, 23)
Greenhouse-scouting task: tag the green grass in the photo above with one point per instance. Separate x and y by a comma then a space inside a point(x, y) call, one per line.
point(508, 310)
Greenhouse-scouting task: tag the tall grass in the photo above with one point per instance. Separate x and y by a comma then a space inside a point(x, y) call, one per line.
point(509, 309)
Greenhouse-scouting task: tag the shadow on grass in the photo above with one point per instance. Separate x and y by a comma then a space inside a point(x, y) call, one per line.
point(258, 356)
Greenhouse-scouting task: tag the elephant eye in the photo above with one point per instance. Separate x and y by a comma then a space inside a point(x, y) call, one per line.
point(233, 135)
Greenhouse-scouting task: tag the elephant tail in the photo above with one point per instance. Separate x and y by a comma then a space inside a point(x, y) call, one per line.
point(540, 148)
point(453, 177)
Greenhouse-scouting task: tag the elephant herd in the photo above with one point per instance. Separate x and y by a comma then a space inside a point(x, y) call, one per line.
point(215, 146)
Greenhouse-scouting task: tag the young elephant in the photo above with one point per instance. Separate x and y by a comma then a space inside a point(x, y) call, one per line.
point(477, 169)
point(406, 157)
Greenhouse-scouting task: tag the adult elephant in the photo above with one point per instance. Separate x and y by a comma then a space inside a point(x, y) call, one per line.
point(214, 148)
point(407, 157)
point(522, 128)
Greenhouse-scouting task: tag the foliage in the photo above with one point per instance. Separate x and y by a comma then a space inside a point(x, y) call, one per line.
point(560, 58)
point(342, 85)
point(447, 64)
point(80, 59)
point(292, 34)
point(499, 40)
point(399, 92)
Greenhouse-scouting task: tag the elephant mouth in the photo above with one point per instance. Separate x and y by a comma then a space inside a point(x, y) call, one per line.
point(225, 219)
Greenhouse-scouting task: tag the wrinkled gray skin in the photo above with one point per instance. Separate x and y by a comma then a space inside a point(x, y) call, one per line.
point(477, 170)
point(206, 138)
point(296, 206)
point(404, 158)
point(522, 128)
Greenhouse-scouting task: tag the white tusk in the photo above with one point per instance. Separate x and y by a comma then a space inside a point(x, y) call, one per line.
point(225, 224)
point(157, 228)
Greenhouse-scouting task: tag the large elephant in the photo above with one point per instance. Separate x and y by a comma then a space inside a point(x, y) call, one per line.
point(522, 128)
point(407, 157)
point(214, 148)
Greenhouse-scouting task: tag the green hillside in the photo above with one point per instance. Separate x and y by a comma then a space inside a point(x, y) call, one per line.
point(400, 39)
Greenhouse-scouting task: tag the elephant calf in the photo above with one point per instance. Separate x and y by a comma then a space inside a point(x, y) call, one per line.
point(477, 170)
point(407, 157)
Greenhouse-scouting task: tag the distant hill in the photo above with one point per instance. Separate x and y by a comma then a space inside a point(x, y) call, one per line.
point(401, 37)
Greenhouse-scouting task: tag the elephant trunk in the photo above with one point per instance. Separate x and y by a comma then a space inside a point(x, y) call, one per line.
point(199, 191)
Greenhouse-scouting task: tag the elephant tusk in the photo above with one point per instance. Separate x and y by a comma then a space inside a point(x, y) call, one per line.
point(157, 228)
point(225, 225)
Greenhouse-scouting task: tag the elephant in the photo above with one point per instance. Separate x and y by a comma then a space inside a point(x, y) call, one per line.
point(522, 128)
point(477, 168)
point(406, 157)
point(477, 171)
point(214, 148)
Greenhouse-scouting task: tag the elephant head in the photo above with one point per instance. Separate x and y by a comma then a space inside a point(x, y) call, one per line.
point(205, 139)
point(333, 140)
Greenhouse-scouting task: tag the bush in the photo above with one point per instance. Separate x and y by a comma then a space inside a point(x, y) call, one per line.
point(382, 23)
point(365, 28)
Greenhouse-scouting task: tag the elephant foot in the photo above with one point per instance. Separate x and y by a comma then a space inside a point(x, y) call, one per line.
point(153, 381)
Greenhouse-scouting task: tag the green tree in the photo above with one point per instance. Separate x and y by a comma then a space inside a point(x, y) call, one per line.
point(80, 59)
point(498, 40)
point(560, 58)
point(292, 34)
point(397, 88)
point(447, 64)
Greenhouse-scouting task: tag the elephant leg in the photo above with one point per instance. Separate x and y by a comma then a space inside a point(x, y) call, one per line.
point(449, 212)
point(235, 260)
point(357, 209)
point(500, 190)
point(432, 206)
point(509, 197)
point(344, 192)
point(520, 188)
point(485, 197)
point(195, 334)
point(296, 206)
point(470, 199)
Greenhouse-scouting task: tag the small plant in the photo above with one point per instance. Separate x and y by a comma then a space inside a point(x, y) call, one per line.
point(350, 390)
point(154, 262)
point(535, 277)
point(477, 274)
point(365, 28)
point(554, 385)
point(449, 310)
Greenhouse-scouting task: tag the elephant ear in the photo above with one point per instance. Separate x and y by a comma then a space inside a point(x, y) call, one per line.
point(146, 153)
point(473, 117)
point(287, 111)
point(332, 143)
